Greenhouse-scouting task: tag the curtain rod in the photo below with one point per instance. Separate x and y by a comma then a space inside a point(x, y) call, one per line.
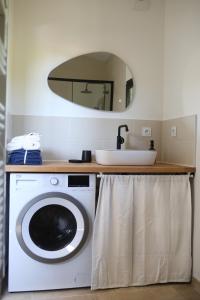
point(99, 175)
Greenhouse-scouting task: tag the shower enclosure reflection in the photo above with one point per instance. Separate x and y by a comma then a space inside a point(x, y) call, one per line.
point(96, 94)
point(100, 80)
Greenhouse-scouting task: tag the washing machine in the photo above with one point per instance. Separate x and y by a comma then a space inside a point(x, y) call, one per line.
point(50, 231)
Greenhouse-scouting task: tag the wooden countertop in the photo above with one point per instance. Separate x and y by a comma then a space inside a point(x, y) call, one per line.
point(65, 167)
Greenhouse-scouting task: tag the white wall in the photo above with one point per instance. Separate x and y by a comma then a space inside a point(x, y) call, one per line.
point(182, 82)
point(44, 34)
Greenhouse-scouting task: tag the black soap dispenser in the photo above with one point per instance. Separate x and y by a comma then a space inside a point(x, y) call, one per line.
point(151, 146)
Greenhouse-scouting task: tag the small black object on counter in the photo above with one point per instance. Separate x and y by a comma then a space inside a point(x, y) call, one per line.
point(86, 156)
point(76, 161)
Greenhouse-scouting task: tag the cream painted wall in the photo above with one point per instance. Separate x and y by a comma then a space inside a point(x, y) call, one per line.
point(182, 82)
point(44, 34)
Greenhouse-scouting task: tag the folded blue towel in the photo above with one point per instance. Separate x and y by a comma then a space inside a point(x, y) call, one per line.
point(25, 157)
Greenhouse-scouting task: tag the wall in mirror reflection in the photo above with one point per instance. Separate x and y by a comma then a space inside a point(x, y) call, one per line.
point(100, 80)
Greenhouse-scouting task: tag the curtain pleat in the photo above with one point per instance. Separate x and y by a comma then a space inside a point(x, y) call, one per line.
point(142, 231)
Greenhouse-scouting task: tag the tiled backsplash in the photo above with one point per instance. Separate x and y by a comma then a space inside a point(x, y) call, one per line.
point(65, 138)
point(181, 148)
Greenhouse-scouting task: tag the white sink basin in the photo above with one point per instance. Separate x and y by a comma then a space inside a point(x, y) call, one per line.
point(125, 157)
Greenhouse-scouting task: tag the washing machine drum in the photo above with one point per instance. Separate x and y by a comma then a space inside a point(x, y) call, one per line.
point(52, 227)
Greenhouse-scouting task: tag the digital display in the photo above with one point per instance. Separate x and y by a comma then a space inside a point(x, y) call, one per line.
point(78, 181)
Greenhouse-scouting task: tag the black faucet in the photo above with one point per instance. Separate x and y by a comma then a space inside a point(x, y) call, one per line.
point(120, 139)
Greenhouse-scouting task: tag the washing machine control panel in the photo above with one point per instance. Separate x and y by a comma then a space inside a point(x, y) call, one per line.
point(54, 181)
point(38, 183)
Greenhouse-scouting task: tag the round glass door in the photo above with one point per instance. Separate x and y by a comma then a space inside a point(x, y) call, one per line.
point(52, 227)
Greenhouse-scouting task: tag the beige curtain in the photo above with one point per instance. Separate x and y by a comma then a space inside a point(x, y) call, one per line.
point(142, 231)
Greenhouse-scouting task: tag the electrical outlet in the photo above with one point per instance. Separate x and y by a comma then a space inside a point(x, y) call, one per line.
point(146, 131)
point(173, 131)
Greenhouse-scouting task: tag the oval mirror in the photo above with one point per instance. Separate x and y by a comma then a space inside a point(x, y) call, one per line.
point(98, 80)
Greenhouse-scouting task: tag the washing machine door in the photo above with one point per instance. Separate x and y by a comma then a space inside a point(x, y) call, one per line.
point(52, 227)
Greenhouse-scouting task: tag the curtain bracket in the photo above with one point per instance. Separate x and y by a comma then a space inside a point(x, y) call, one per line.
point(99, 175)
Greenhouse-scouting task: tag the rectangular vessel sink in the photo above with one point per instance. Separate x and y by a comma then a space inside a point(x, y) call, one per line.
point(125, 157)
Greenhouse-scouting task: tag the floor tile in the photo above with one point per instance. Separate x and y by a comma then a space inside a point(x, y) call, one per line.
point(165, 292)
point(16, 296)
point(77, 297)
point(132, 293)
point(153, 292)
point(196, 285)
point(61, 294)
point(187, 292)
point(104, 295)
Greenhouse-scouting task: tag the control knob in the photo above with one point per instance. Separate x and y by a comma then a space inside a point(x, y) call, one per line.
point(54, 181)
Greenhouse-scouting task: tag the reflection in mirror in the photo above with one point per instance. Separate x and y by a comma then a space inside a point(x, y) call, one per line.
point(99, 80)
